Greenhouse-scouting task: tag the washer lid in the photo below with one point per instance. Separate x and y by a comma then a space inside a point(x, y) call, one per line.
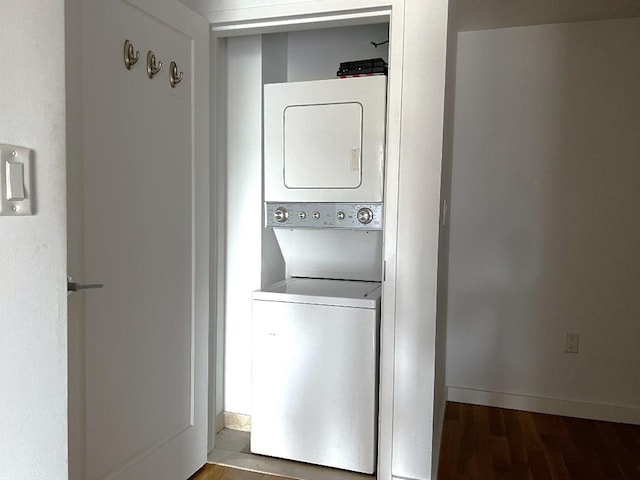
point(340, 293)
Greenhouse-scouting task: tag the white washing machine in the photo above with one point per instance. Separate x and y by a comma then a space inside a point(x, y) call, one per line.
point(315, 372)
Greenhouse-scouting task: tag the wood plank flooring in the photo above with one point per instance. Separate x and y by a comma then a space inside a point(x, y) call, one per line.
point(217, 472)
point(484, 443)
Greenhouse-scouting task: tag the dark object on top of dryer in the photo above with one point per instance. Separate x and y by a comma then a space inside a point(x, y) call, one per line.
point(371, 66)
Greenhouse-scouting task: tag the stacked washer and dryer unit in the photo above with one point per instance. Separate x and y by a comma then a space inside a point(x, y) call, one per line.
point(315, 340)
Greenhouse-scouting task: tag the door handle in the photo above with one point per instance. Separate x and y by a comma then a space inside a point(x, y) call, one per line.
point(74, 286)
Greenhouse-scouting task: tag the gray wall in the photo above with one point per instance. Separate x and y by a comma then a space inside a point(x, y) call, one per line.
point(545, 229)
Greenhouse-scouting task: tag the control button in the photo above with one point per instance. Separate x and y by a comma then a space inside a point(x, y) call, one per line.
point(340, 215)
point(280, 214)
point(316, 215)
point(302, 215)
point(365, 215)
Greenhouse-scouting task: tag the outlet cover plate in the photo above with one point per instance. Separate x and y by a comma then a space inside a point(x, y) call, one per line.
point(571, 343)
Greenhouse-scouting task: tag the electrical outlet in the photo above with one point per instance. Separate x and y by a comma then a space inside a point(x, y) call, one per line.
point(571, 343)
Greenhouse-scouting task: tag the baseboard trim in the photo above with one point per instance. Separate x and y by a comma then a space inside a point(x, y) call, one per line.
point(219, 422)
point(237, 421)
point(568, 408)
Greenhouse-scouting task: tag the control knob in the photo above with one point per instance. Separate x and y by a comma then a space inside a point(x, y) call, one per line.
point(280, 214)
point(302, 215)
point(316, 215)
point(365, 215)
point(340, 215)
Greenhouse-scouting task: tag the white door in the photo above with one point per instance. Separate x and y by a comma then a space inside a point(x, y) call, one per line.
point(322, 145)
point(146, 239)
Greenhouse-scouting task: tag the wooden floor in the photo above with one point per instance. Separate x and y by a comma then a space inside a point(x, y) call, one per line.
point(484, 443)
point(217, 472)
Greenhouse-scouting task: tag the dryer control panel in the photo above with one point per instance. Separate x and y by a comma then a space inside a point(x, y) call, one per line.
point(360, 216)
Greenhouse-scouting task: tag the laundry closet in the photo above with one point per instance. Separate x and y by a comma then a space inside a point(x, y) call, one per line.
point(301, 183)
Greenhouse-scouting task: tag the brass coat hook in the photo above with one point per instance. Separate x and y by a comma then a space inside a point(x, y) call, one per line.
point(174, 77)
point(152, 67)
point(131, 56)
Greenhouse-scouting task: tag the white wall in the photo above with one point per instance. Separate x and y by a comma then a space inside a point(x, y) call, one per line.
point(218, 149)
point(475, 15)
point(544, 219)
point(316, 54)
point(33, 304)
point(244, 213)
point(274, 70)
point(253, 257)
point(440, 389)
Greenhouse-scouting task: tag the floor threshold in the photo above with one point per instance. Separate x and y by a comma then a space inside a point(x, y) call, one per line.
point(232, 450)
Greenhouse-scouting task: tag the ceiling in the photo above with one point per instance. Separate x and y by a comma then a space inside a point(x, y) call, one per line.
point(485, 14)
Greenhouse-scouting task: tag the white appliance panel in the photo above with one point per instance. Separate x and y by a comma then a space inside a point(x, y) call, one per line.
point(314, 375)
point(337, 293)
point(322, 146)
point(332, 253)
point(325, 140)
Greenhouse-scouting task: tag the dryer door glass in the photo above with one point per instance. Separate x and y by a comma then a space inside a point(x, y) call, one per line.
point(322, 146)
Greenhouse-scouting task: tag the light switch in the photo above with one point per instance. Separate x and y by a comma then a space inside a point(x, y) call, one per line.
point(15, 181)
point(16, 188)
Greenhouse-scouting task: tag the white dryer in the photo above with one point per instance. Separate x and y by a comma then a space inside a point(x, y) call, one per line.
point(315, 371)
point(324, 140)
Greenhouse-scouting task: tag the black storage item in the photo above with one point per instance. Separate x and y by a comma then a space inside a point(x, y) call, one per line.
point(363, 67)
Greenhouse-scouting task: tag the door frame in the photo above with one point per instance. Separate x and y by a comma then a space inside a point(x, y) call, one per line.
point(387, 10)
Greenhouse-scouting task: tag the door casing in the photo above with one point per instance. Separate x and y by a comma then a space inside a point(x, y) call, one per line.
point(391, 12)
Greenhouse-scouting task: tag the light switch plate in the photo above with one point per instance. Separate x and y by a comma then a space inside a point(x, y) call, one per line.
point(10, 156)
